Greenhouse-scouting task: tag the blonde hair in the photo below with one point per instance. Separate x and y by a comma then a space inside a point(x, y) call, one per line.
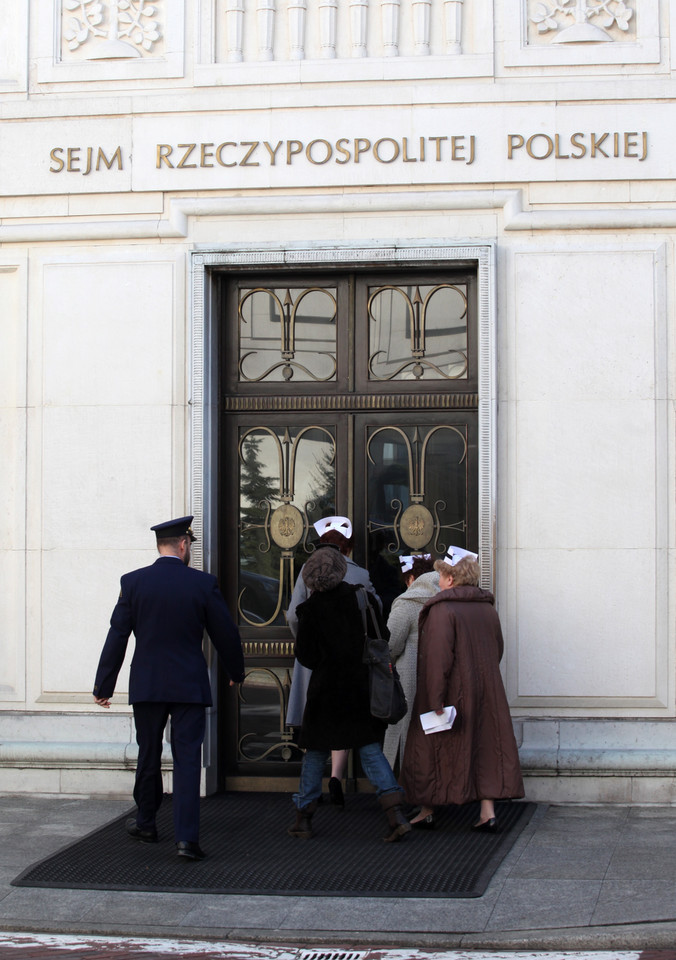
point(464, 572)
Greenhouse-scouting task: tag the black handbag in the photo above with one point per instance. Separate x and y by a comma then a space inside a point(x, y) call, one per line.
point(386, 694)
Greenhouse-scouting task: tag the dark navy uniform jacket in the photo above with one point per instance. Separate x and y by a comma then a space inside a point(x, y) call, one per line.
point(168, 606)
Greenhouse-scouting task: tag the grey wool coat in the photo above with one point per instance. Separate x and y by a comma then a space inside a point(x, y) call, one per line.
point(403, 626)
point(459, 651)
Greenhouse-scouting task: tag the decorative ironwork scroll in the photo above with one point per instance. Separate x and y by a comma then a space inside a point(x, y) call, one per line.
point(267, 315)
point(416, 524)
point(400, 314)
point(263, 697)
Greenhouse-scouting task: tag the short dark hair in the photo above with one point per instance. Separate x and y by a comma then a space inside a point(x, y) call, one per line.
point(420, 565)
point(174, 542)
point(338, 540)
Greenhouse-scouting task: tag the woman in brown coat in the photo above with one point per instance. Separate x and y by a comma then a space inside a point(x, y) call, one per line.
point(459, 653)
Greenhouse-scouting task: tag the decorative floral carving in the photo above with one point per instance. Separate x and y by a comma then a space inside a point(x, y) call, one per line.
point(553, 15)
point(118, 28)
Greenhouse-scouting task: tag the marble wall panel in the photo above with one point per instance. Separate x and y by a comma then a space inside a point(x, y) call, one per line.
point(585, 474)
point(13, 630)
point(13, 334)
point(108, 333)
point(107, 446)
point(586, 325)
point(107, 477)
point(12, 479)
point(586, 492)
point(587, 626)
point(13, 46)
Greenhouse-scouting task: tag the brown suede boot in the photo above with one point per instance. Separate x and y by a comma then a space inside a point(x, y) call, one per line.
point(398, 825)
point(302, 828)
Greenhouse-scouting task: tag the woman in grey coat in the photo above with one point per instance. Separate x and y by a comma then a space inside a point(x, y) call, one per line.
point(422, 582)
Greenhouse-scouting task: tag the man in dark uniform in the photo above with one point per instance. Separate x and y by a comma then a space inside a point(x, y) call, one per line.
point(168, 605)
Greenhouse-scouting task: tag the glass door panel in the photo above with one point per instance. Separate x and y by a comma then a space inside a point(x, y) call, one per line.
point(286, 480)
point(420, 497)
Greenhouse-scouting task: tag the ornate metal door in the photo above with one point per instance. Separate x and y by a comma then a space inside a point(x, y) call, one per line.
point(348, 394)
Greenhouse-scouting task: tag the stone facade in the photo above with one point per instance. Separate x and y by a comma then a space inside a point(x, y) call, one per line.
point(140, 142)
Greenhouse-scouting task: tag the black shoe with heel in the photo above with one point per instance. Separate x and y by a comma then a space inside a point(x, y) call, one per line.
point(427, 823)
point(486, 826)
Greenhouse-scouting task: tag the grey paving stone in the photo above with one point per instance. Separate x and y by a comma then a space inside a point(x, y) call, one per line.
point(632, 900)
point(542, 904)
point(639, 830)
point(20, 851)
point(215, 911)
point(554, 829)
point(653, 813)
point(342, 913)
point(119, 906)
point(588, 813)
point(444, 916)
point(643, 863)
point(37, 903)
point(563, 862)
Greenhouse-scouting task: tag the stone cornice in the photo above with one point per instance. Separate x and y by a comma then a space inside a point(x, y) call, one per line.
point(175, 225)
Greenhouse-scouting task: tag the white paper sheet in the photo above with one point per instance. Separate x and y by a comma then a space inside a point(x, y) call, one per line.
point(433, 722)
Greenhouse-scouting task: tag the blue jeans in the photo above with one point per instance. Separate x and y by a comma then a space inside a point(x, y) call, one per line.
point(376, 768)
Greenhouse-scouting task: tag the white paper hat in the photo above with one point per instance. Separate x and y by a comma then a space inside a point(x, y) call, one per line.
point(407, 562)
point(341, 524)
point(454, 554)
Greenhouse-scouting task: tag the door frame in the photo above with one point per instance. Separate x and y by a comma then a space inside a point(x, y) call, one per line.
point(204, 399)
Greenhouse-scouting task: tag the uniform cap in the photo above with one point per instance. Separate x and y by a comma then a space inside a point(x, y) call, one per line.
point(341, 524)
point(455, 554)
point(174, 528)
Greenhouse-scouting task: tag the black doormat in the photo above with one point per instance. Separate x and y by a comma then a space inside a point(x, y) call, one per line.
point(250, 852)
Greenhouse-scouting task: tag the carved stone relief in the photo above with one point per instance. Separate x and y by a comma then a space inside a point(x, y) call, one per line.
point(111, 29)
point(580, 21)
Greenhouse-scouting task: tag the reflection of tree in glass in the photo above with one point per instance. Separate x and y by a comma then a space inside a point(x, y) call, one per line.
point(323, 484)
point(255, 488)
point(321, 498)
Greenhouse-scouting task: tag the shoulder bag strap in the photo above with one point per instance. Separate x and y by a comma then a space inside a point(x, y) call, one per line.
point(362, 600)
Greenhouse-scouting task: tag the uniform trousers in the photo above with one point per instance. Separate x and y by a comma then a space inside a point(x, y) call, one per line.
point(188, 723)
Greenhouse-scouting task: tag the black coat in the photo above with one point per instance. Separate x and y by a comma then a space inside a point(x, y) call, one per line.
point(330, 641)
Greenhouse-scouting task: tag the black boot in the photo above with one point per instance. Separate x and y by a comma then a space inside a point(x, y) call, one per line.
point(336, 796)
point(397, 823)
point(302, 828)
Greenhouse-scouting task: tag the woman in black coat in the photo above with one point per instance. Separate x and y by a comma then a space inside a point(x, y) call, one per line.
point(330, 641)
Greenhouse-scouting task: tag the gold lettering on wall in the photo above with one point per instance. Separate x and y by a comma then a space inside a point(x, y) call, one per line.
point(83, 160)
point(541, 146)
point(452, 148)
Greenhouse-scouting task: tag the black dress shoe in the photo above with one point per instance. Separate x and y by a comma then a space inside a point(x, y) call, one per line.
point(486, 826)
point(336, 796)
point(145, 836)
point(189, 850)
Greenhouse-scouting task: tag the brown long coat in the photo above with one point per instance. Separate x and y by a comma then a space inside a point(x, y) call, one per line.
point(459, 652)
